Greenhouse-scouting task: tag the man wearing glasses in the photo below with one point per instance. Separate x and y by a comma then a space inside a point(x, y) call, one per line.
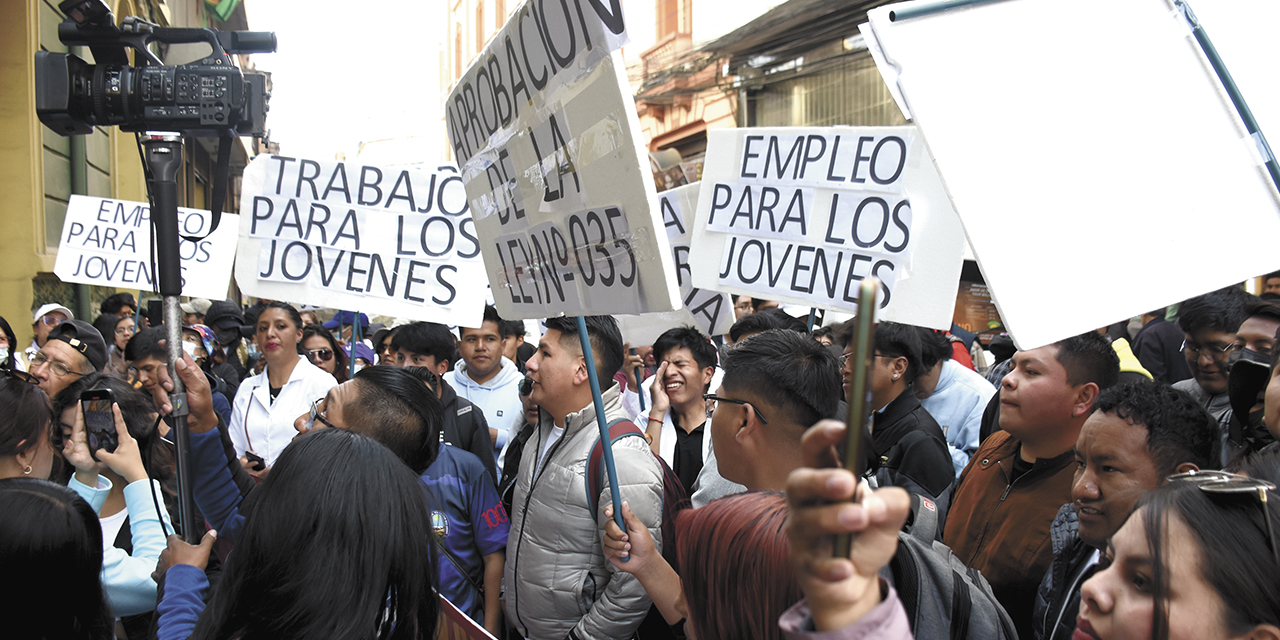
point(73, 349)
point(776, 385)
point(1209, 323)
point(42, 323)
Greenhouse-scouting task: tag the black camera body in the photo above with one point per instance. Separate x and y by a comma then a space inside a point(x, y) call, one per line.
point(209, 97)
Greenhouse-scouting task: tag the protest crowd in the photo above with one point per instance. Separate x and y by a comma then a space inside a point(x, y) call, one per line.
point(1114, 484)
point(528, 394)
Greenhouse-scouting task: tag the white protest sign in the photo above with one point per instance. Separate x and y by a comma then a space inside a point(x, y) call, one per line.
point(394, 242)
point(107, 243)
point(1089, 196)
point(544, 128)
point(709, 311)
point(803, 214)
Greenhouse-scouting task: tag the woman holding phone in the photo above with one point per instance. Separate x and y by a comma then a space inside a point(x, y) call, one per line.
point(266, 404)
point(117, 482)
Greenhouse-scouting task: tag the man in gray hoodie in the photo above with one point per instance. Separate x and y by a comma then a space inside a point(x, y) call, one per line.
point(489, 380)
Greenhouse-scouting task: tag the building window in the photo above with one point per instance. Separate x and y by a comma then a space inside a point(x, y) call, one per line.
point(479, 27)
point(457, 51)
point(673, 17)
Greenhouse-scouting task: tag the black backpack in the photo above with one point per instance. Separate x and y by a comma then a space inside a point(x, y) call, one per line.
point(944, 599)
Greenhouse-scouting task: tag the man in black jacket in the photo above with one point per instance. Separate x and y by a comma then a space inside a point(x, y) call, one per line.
point(431, 345)
point(1138, 435)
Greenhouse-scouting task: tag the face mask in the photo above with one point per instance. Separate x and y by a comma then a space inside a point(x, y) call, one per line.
point(358, 367)
point(190, 349)
point(4, 352)
point(253, 351)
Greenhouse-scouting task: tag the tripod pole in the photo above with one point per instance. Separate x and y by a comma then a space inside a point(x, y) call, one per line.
point(163, 154)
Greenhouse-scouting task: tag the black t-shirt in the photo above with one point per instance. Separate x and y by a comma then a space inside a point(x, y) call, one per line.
point(687, 458)
point(1020, 468)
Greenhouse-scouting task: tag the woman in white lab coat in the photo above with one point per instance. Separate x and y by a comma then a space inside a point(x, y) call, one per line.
point(267, 404)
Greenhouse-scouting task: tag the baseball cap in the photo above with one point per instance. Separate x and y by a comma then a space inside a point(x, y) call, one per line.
point(207, 336)
point(346, 317)
point(83, 338)
point(226, 320)
point(197, 305)
point(361, 350)
point(48, 308)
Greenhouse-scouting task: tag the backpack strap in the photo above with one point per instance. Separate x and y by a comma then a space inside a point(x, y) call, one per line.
point(618, 429)
point(924, 519)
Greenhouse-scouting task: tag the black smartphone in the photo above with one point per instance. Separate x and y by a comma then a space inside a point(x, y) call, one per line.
point(258, 463)
point(99, 420)
point(155, 312)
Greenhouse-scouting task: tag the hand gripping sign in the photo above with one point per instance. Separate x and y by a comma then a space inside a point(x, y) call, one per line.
point(388, 241)
point(544, 129)
point(804, 214)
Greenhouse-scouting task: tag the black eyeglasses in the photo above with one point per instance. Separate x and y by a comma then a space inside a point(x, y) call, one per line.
point(1221, 482)
point(320, 355)
point(712, 396)
point(318, 414)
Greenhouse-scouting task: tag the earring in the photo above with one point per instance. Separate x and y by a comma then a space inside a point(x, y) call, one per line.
point(895, 376)
point(27, 471)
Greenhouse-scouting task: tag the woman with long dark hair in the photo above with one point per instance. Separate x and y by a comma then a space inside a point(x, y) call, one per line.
point(323, 350)
point(125, 488)
point(266, 404)
point(26, 445)
point(51, 550)
point(335, 545)
point(1197, 559)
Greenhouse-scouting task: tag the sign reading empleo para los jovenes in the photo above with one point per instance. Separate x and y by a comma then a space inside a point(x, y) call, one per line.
point(385, 241)
point(107, 242)
point(803, 215)
point(544, 128)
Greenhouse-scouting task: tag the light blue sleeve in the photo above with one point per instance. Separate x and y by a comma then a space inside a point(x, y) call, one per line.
point(127, 578)
point(95, 496)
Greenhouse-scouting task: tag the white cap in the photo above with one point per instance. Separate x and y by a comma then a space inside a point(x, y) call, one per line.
point(49, 308)
point(197, 305)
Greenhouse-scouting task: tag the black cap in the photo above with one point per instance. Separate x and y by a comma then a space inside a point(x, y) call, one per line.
point(82, 337)
point(226, 320)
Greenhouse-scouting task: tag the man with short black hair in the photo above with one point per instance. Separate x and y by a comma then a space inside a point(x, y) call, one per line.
point(120, 305)
point(512, 340)
point(776, 385)
point(147, 352)
point(557, 581)
point(431, 345)
point(1209, 324)
point(1258, 331)
point(74, 349)
point(486, 378)
point(1008, 496)
point(677, 412)
point(1138, 435)
point(1271, 282)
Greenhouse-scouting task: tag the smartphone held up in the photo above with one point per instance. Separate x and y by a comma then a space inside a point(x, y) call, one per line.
point(99, 420)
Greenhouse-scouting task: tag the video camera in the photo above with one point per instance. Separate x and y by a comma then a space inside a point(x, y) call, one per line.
point(210, 97)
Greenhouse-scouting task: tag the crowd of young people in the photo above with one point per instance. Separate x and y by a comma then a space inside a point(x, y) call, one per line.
point(349, 474)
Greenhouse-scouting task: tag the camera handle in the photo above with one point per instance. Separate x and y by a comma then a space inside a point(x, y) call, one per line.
point(163, 155)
